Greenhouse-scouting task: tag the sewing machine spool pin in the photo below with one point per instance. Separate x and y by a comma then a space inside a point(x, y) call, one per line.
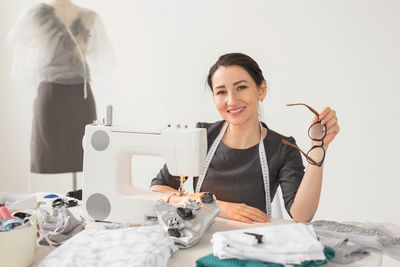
point(109, 116)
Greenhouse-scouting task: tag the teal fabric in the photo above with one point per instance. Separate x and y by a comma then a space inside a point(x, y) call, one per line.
point(212, 261)
point(329, 254)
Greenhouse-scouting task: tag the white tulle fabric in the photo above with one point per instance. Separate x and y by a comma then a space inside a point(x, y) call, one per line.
point(48, 50)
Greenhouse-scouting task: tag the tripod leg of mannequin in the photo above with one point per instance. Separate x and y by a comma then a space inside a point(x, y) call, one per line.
point(74, 182)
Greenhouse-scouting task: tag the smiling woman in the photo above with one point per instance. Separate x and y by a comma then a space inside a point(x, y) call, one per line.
point(248, 160)
point(236, 96)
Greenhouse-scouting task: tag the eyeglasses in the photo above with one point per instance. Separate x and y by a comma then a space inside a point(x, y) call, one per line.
point(316, 132)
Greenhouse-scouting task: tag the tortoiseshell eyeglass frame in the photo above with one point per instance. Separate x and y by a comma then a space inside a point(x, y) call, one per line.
point(309, 159)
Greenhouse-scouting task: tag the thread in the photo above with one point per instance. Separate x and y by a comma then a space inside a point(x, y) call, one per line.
point(5, 213)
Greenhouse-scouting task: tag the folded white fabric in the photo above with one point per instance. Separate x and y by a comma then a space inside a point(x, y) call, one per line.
point(138, 246)
point(284, 244)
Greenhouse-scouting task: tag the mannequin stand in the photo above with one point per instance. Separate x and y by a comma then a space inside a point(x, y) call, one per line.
point(74, 181)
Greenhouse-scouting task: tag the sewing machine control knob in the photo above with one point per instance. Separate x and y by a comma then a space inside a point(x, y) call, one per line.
point(179, 126)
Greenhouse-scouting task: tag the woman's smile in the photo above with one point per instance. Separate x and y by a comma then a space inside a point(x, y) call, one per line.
point(236, 111)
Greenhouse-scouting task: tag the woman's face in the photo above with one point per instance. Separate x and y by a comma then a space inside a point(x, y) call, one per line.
point(236, 94)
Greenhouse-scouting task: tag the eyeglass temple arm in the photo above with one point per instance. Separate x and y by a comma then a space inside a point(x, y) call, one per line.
point(304, 154)
point(310, 108)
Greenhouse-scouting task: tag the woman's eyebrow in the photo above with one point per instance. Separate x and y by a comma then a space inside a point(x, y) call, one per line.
point(235, 83)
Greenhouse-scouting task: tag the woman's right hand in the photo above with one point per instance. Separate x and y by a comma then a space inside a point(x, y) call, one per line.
point(241, 212)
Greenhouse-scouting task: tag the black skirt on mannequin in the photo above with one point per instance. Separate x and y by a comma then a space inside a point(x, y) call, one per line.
point(59, 119)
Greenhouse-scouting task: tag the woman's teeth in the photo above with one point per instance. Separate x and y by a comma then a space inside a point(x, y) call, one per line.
point(236, 110)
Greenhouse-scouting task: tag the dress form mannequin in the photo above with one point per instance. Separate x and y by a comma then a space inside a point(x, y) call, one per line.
point(59, 46)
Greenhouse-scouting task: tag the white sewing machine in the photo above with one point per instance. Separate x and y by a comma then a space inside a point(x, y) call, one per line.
point(108, 191)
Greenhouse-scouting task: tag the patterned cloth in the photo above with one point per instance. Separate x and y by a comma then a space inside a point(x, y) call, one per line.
point(140, 246)
point(382, 236)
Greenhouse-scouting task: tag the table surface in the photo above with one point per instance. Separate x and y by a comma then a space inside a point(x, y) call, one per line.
point(189, 256)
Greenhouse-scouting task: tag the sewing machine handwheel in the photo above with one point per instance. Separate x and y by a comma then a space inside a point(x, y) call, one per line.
point(98, 206)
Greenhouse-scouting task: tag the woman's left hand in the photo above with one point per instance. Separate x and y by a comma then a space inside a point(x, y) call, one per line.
point(328, 118)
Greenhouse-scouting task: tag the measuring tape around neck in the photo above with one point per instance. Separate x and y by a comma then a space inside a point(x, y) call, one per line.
point(263, 161)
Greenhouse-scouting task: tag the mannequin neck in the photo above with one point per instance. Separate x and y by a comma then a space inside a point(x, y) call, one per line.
point(65, 10)
point(61, 2)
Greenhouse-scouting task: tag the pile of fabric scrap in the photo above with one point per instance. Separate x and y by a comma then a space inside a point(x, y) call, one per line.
point(57, 227)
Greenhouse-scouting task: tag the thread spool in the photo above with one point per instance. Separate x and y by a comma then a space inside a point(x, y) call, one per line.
point(5, 213)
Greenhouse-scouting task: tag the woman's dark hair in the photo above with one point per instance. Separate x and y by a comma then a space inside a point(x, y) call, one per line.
point(238, 59)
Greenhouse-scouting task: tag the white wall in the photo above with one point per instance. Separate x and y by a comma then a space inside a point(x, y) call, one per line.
point(344, 54)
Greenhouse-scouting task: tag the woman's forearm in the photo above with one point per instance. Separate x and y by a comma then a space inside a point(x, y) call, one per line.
point(307, 197)
point(163, 188)
point(167, 190)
